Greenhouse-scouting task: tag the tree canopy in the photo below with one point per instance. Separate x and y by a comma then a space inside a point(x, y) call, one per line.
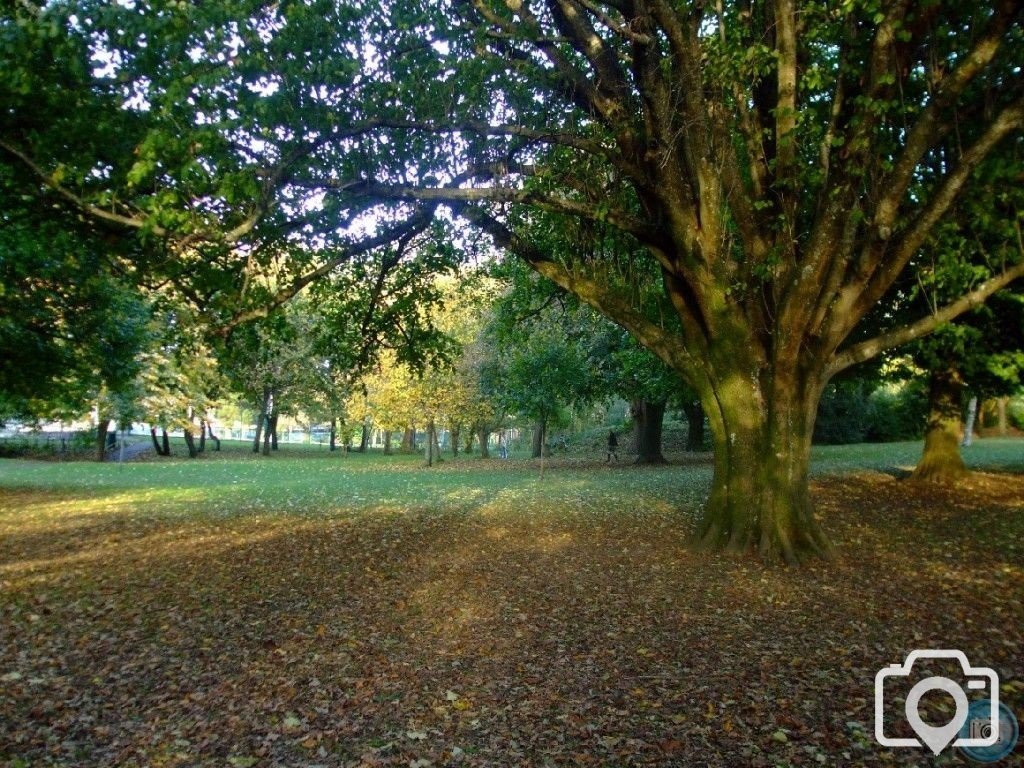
point(765, 170)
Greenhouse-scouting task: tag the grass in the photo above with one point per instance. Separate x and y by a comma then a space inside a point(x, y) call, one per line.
point(318, 609)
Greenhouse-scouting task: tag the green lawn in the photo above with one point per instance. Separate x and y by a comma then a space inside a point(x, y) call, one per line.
point(318, 609)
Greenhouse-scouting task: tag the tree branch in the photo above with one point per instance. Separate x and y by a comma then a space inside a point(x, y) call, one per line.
point(865, 350)
point(411, 226)
point(599, 295)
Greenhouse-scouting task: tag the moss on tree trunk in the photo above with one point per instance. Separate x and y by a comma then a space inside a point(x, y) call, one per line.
point(761, 433)
point(941, 461)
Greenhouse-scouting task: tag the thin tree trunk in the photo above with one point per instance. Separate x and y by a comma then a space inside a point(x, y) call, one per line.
point(408, 440)
point(166, 440)
point(695, 426)
point(261, 420)
point(648, 419)
point(190, 441)
point(455, 431)
point(429, 448)
point(483, 435)
point(202, 436)
point(364, 438)
point(156, 442)
point(972, 413)
point(1003, 423)
point(470, 436)
point(539, 438)
point(272, 429)
point(101, 438)
point(387, 442)
point(437, 443)
point(941, 460)
point(216, 440)
point(334, 435)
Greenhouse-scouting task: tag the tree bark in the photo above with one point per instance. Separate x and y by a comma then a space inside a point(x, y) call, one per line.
point(272, 430)
point(470, 436)
point(408, 440)
point(387, 442)
point(429, 448)
point(190, 441)
point(202, 436)
point(1002, 423)
point(941, 460)
point(483, 435)
point(695, 426)
point(761, 431)
point(364, 438)
point(648, 419)
point(216, 440)
point(334, 435)
point(539, 437)
point(156, 442)
point(261, 420)
point(972, 414)
point(166, 440)
point(454, 436)
point(101, 438)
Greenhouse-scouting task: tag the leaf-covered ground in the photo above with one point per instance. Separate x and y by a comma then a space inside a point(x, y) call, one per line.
point(312, 610)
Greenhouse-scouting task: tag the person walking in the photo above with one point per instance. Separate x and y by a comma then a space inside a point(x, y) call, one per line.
point(613, 446)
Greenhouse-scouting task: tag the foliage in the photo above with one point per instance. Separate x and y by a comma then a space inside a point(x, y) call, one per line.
point(859, 410)
point(68, 324)
point(763, 173)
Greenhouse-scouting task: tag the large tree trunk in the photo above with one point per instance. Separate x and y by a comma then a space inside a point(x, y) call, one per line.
point(101, 438)
point(761, 433)
point(470, 436)
point(364, 438)
point(694, 426)
point(261, 420)
point(648, 418)
point(166, 440)
point(483, 435)
point(941, 460)
point(539, 438)
point(387, 442)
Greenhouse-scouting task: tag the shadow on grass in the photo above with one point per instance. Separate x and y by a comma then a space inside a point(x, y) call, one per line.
point(497, 632)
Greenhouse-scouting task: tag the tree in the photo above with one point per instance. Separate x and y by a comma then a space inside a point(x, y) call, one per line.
point(69, 325)
point(539, 366)
point(981, 350)
point(777, 161)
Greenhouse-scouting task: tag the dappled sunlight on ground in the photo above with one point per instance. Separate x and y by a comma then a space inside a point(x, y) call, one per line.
point(479, 618)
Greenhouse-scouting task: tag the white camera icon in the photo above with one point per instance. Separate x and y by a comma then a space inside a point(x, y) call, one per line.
point(938, 738)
